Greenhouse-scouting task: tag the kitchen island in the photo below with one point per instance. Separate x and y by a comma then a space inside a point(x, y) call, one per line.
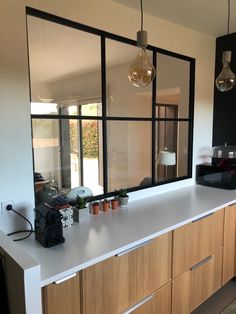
point(109, 234)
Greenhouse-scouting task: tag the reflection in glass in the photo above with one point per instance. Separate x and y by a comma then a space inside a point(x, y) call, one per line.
point(68, 153)
point(124, 99)
point(171, 149)
point(173, 83)
point(129, 154)
point(65, 65)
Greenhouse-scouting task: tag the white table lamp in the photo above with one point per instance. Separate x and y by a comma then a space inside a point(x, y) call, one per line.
point(167, 158)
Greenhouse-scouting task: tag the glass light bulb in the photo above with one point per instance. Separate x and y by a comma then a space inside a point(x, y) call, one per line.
point(226, 79)
point(141, 71)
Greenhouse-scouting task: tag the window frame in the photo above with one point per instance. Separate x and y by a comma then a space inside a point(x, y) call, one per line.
point(104, 118)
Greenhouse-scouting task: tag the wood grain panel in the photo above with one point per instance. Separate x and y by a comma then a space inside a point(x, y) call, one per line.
point(205, 280)
point(181, 249)
point(157, 263)
point(197, 240)
point(160, 302)
point(229, 243)
point(207, 236)
point(62, 298)
point(181, 294)
point(117, 283)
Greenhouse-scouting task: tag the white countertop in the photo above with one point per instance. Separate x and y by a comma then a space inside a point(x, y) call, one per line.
point(110, 233)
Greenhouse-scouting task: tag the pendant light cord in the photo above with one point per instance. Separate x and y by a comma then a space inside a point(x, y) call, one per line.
point(228, 17)
point(141, 7)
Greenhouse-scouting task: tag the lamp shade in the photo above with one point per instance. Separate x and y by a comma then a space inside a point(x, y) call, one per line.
point(167, 158)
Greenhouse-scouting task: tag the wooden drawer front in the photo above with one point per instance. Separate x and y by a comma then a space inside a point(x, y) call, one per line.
point(158, 302)
point(205, 279)
point(115, 284)
point(229, 244)
point(197, 240)
point(193, 287)
point(62, 298)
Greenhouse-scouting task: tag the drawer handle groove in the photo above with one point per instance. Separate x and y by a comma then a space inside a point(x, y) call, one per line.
point(133, 248)
point(201, 263)
point(64, 279)
point(198, 219)
point(137, 305)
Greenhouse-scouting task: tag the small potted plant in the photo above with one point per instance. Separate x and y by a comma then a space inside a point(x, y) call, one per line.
point(114, 202)
point(80, 210)
point(105, 205)
point(123, 198)
point(96, 208)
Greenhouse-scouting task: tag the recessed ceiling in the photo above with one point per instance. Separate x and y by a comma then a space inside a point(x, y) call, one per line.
point(205, 16)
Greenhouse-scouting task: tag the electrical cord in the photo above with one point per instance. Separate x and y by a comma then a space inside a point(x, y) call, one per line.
point(141, 7)
point(10, 208)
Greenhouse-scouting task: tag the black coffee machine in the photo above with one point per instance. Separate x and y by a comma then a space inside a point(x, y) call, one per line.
point(48, 225)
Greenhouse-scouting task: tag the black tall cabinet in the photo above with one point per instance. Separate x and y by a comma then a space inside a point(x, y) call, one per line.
point(224, 117)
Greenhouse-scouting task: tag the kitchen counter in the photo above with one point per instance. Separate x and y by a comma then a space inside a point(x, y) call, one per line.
point(111, 233)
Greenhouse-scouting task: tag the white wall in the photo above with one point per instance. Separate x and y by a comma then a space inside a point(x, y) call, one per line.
point(15, 133)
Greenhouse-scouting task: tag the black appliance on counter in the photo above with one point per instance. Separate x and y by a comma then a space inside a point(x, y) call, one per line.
point(221, 172)
point(48, 225)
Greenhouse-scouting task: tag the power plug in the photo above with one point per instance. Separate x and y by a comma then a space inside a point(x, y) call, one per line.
point(6, 206)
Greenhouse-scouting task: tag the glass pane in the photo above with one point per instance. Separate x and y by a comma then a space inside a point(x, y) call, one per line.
point(124, 99)
point(171, 150)
point(65, 68)
point(129, 154)
point(173, 77)
point(67, 154)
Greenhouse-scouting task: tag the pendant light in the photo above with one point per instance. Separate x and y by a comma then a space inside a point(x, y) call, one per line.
point(226, 79)
point(141, 71)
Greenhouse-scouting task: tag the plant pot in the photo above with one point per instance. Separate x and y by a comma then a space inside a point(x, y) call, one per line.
point(105, 206)
point(81, 215)
point(123, 201)
point(114, 203)
point(96, 209)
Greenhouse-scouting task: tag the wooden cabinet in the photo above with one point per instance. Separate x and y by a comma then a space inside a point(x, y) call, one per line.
point(229, 244)
point(62, 297)
point(157, 302)
point(112, 286)
point(197, 240)
point(197, 257)
point(194, 286)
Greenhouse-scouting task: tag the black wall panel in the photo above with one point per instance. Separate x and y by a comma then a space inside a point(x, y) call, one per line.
point(224, 118)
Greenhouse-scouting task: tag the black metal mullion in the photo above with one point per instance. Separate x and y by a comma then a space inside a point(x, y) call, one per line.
point(81, 149)
point(154, 87)
point(104, 114)
point(191, 116)
point(41, 116)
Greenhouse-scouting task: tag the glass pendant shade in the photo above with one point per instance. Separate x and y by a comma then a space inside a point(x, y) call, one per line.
point(141, 71)
point(226, 79)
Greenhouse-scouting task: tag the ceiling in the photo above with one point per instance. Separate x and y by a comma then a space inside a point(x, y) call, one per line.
point(206, 16)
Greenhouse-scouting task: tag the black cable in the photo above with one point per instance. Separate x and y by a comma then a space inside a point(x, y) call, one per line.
point(141, 7)
point(9, 207)
point(228, 17)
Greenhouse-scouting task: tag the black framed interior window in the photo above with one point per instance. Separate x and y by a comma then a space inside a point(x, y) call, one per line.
point(90, 126)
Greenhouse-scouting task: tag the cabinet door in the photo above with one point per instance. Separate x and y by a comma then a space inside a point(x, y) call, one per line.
point(197, 240)
point(229, 243)
point(158, 302)
point(117, 283)
point(205, 279)
point(62, 298)
point(194, 286)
